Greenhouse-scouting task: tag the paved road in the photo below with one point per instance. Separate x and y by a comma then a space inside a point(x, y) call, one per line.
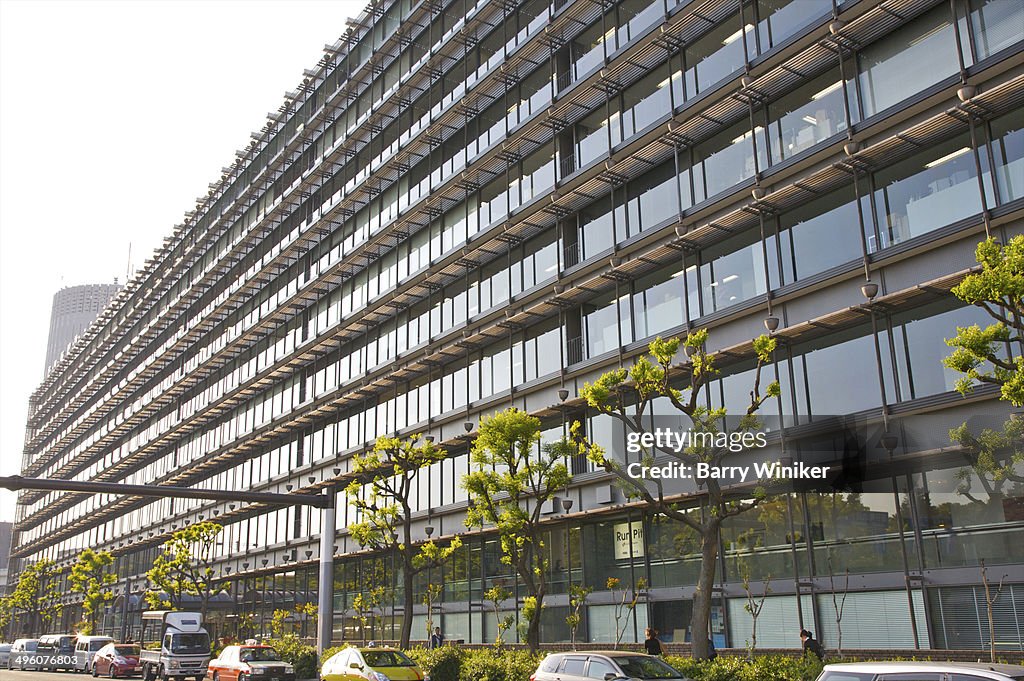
point(16, 675)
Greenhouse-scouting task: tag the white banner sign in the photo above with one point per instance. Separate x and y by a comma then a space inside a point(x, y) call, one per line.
point(626, 533)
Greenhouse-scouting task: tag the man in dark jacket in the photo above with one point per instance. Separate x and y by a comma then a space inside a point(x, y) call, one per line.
point(436, 639)
point(810, 645)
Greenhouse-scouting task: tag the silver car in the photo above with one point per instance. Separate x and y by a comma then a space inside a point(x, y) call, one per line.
point(604, 665)
point(5, 654)
point(922, 671)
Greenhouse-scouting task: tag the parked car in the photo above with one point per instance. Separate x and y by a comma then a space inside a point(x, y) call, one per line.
point(86, 648)
point(116, 660)
point(58, 651)
point(922, 671)
point(24, 654)
point(5, 654)
point(371, 664)
point(604, 665)
point(249, 663)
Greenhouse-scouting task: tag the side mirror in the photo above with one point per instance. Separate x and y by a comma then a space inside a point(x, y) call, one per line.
point(611, 676)
point(355, 665)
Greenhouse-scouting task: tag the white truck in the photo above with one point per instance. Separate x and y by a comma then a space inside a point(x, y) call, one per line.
point(174, 645)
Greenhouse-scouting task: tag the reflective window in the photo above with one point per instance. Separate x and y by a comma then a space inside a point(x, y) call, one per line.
point(726, 159)
point(971, 513)
point(733, 271)
point(713, 56)
point(658, 301)
point(820, 233)
point(919, 339)
point(996, 24)
point(930, 189)
point(1008, 154)
point(908, 60)
point(809, 114)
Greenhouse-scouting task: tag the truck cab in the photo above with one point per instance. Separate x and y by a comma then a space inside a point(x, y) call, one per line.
point(174, 645)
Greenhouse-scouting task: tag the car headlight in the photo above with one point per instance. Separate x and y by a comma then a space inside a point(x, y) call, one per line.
point(377, 676)
point(259, 670)
point(175, 664)
point(288, 669)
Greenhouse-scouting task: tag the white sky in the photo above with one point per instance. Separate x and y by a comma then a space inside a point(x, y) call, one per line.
point(114, 118)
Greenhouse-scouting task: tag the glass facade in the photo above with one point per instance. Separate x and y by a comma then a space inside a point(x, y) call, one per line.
point(366, 267)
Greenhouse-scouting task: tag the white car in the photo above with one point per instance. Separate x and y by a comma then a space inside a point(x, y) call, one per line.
point(922, 671)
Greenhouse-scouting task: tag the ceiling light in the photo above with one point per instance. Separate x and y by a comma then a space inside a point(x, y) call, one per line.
point(947, 157)
point(731, 277)
point(735, 36)
point(831, 88)
point(811, 120)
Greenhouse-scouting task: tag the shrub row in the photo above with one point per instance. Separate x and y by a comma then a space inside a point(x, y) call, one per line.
point(489, 664)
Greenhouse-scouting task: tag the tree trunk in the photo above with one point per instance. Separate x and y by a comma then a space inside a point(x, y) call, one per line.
point(702, 597)
point(533, 630)
point(407, 603)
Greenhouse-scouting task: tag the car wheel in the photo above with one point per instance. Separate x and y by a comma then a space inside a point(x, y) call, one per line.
point(95, 672)
point(113, 672)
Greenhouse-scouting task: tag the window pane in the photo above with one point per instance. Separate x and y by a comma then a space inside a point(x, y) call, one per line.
point(908, 60)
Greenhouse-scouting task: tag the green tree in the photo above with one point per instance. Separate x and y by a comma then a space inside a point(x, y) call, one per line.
point(513, 481)
point(37, 595)
point(986, 356)
point(91, 578)
point(185, 567)
point(382, 490)
point(625, 601)
point(578, 595)
point(497, 595)
point(629, 396)
point(980, 354)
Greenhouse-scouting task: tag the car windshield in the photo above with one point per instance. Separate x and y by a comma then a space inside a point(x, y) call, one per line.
point(125, 651)
point(190, 644)
point(641, 667)
point(32, 646)
point(259, 655)
point(386, 658)
point(96, 645)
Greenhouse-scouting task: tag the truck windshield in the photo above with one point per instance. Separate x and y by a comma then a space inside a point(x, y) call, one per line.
point(190, 644)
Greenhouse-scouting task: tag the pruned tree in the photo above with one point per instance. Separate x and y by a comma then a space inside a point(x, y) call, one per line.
point(578, 595)
point(185, 567)
point(754, 606)
point(430, 595)
point(838, 603)
point(629, 397)
point(497, 595)
point(624, 601)
point(990, 601)
point(37, 595)
point(514, 478)
point(92, 578)
point(382, 493)
point(368, 607)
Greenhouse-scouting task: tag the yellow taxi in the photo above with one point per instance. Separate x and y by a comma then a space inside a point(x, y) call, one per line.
point(371, 664)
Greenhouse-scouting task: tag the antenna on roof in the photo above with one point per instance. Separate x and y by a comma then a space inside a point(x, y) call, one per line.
point(128, 270)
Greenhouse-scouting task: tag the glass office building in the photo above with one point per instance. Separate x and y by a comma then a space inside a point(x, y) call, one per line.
point(466, 206)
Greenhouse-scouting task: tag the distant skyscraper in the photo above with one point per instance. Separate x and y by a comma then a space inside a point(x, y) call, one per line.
point(74, 308)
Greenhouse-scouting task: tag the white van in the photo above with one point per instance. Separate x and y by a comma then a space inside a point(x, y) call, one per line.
point(85, 650)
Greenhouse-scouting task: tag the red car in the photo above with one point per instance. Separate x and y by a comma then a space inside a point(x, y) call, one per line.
point(116, 659)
